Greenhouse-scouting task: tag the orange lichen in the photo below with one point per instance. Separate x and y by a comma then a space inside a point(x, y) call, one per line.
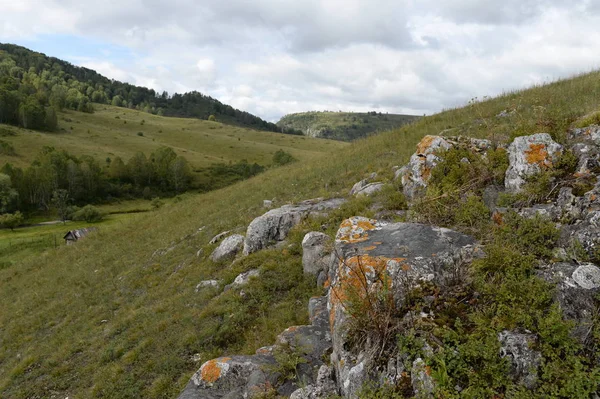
point(537, 154)
point(211, 371)
point(327, 283)
point(425, 143)
point(263, 351)
point(291, 329)
point(425, 173)
point(369, 248)
point(593, 197)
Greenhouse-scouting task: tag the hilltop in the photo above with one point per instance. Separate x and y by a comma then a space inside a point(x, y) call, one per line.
point(132, 311)
point(345, 126)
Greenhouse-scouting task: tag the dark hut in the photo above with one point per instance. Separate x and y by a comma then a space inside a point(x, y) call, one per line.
point(75, 235)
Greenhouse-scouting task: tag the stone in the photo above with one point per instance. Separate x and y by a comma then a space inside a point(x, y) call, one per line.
point(267, 204)
point(416, 174)
point(242, 279)
point(422, 383)
point(584, 232)
point(528, 156)
point(316, 253)
point(370, 189)
point(275, 225)
point(369, 253)
point(490, 196)
point(219, 237)
point(228, 248)
point(523, 359)
point(207, 284)
point(230, 377)
point(362, 184)
point(323, 388)
point(576, 289)
point(590, 134)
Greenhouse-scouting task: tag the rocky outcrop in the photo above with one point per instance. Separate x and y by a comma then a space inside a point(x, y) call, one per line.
point(316, 255)
point(275, 225)
point(218, 237)
point(207, 284)
point(416, 174)
point(367, 186)
point(250, 376)
point(228, 248)
point(528, 156)
point(524, 360)
point(576, 288)
point(371, 254)
point(243, 279)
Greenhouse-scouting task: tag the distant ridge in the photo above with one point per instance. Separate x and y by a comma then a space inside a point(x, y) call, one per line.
point(345, 126)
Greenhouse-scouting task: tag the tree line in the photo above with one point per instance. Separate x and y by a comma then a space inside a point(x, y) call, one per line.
point(33, 87)
point(84, 180)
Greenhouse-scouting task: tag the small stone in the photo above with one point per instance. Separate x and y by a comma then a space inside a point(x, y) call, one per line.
point(267, 204)
point(228, 248)
point(587, 276)
point(218, 237)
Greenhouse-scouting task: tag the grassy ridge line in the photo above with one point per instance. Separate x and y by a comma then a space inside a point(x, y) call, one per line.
point(53, 336)
point(113, 131)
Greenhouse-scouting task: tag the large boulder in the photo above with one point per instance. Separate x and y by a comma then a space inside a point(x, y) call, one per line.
point(576, 289)
point(524, 361)
point(275, 225)
point(416, 174)
point(316, 254)
point(372, 255)
point(528, 156)
point(228, 248)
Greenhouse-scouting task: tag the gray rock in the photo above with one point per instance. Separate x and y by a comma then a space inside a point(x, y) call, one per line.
point(528, 156)
point(523, 359)
point(218, 237)
point(490, 196)
point(590, 134)
point(267, 204)
point(275, 225)
point(422, 383)
point(403, 255)
point(242, 279)
point(324, 387)
point(316, 252)
point(207, 284)
point(230, 377)
point(362, 184)
point(415, 175)
point(228, 248)
point(576, 288)
point(370, 189)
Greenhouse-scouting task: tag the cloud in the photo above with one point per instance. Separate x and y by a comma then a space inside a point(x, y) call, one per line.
point(272, 57)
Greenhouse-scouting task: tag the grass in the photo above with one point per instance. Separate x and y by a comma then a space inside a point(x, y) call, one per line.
point(113, 131)
point(117, 315)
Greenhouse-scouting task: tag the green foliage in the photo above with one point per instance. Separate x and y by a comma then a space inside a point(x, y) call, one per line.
point(537, 236)
point(287, 362)
point(7, 148)
point(220, 175)
point(89, 213)
point(212, 118)
point(8, 195)
point(11, 220)
point(156, 203)
point(391, 198)
point(60, 200)
point(587, 120)
point(282, 158)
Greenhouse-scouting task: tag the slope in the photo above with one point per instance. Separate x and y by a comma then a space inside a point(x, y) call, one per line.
point(114, 131)
point(118, 316)
point(344, 126)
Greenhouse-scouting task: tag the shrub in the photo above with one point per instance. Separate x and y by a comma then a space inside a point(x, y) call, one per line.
point(89, 213)
point(140, 134)
point(587, 120)
point(7, 148)
point(11, 220)
point(535, 236)
point(282, 158)
point(156, 203)
point(212, 118)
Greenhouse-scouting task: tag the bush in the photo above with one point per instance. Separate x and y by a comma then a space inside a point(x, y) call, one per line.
point(156, 203)
point(140, 134)
point(212, 118)
point(282, 158)
point(11, 220)
point(7, 148)
point(89, 213)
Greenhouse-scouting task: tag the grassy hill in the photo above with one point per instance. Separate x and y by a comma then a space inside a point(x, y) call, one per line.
point(114, 131)
point(117, 315)
point(344, 126)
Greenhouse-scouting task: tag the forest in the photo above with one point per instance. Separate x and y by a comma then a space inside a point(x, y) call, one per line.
point(33, 87)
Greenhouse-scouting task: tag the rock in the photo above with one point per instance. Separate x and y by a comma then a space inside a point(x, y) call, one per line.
point(275, 225)
point(207, 284)
point(576, 289)
point(267, 204)
point(528, 156)
point(490, 196)
point(199, 253)
point(228, 248)
point(416, 174)
point(505, 113)
point(219, 237)
point(422, 383)
point(370, 189)
point(316, 253)
point(523, 359)
point(362, 184)
point(588, 156)
point(590, 134)
point(585, 232)
point(323, 388)
point(368, 253)
point(242, 279)
point(230, 377)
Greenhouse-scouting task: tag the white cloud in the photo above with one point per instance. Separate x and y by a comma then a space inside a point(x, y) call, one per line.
point(272, 57)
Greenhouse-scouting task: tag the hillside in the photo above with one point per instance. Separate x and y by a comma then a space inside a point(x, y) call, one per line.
point(113, 131)
point(345, 126)
point(63, 85)
point(119, 315)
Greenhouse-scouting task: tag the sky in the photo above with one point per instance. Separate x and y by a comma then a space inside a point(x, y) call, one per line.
point(273, 57)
